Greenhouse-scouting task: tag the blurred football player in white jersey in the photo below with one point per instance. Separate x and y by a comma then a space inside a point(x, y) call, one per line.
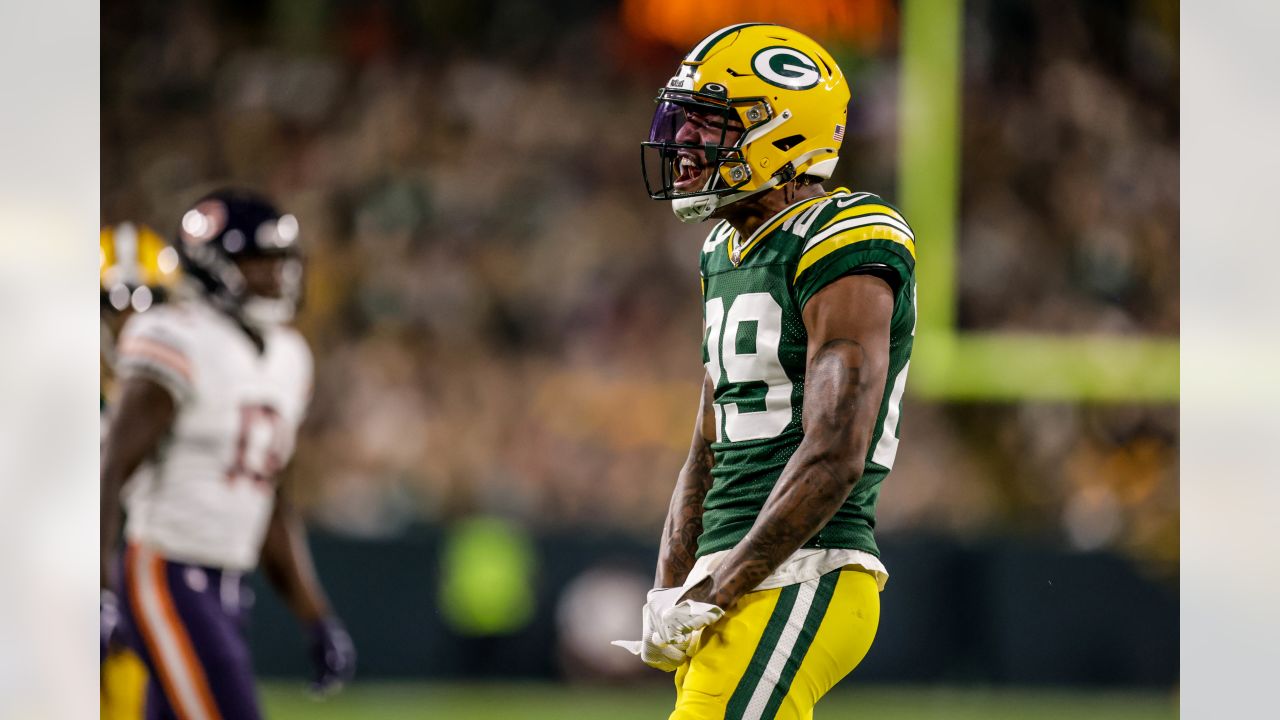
point(137, 270)
point(212, 388)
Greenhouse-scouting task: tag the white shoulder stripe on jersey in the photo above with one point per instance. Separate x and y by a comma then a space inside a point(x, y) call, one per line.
point(782, 651)
point(851, 223)
point(883, 219)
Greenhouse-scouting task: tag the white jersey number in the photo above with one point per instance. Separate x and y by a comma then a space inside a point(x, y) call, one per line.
point(759, 365)
point(887, 447)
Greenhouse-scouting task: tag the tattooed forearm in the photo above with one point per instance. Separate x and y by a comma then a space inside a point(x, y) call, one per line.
point(841, 401)
point(679, 545)
point(676, 554)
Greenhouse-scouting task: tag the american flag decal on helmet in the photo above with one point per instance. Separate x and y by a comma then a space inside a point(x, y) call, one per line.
point(838, 135)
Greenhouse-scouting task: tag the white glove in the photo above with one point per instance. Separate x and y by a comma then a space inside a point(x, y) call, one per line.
point(683, 623)
point(652, 648)
point(669, 628)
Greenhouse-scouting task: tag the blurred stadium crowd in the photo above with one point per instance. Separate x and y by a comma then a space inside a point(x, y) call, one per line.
point(505, 323)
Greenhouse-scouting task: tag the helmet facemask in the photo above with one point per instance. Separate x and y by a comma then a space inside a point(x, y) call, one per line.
point(694, 155)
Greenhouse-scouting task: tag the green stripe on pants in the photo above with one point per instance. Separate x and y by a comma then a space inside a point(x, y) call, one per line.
point(764, 650)
point(812, 621)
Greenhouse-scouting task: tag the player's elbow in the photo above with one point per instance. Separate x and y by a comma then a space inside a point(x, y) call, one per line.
point(842, 466)
point(851, 472)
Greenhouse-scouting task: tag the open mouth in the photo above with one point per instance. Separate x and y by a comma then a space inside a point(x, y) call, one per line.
point(689, 172)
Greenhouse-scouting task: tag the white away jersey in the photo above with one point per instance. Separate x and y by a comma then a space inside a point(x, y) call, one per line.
point(206, 496)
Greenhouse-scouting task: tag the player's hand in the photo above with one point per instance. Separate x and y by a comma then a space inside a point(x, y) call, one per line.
point(667, 632)
point(108, 622)
point(681, 623)
point(332, 654)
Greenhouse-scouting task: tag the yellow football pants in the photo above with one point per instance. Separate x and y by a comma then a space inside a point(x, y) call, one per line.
point(776, 652)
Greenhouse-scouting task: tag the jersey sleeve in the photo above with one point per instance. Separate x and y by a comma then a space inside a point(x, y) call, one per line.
point(157, 346)
point(869, 233)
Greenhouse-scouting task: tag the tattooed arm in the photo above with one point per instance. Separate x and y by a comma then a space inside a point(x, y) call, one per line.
point(684, 517)
point(848, 360)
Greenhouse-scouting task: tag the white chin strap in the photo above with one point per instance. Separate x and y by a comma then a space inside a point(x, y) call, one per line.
point(264, 312)
point(698, 208)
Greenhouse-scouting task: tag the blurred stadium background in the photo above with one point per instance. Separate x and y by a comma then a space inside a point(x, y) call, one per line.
point(506, 331)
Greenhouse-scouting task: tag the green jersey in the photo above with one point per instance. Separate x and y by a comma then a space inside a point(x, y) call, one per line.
point(755, 348)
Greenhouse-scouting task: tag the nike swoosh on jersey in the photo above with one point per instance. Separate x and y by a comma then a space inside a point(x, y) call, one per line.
point(846, 202)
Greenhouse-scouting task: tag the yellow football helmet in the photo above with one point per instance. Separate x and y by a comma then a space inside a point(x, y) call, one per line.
point(779, 92)
point(136, 268)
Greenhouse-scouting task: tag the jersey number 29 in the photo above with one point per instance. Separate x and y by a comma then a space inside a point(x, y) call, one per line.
point(761, 364)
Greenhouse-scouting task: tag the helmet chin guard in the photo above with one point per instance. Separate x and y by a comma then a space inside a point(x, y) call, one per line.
point(696, 208)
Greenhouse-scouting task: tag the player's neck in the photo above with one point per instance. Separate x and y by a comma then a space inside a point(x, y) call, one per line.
point(747, 217)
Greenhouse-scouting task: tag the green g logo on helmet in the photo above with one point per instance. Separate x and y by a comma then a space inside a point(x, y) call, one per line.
point(785, 67)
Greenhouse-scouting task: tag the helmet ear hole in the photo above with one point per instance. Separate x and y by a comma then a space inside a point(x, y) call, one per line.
point(788, 142)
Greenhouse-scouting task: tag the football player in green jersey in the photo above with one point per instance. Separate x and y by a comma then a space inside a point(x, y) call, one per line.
point(768, 571)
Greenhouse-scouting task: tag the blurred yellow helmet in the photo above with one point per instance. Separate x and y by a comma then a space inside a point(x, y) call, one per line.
point(786, 92)
point(136, 268)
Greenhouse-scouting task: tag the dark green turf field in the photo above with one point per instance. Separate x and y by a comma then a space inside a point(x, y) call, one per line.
point(286, 701)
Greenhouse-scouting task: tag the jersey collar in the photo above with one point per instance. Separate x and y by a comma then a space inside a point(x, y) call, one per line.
point(737, 253)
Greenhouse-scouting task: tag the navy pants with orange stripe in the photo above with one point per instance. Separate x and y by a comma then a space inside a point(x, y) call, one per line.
point(187, 623)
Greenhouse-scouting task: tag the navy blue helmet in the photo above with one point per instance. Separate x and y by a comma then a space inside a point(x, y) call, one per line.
point(232, 225)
